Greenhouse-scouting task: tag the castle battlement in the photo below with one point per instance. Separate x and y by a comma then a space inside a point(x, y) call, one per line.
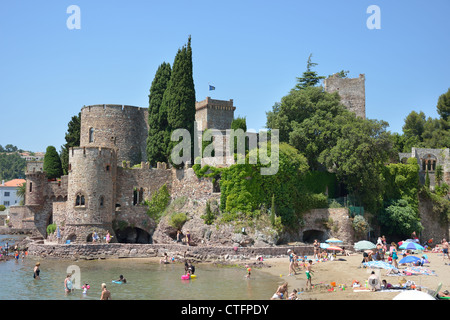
point(113, 108)
point(215, 104)
point(92, 152)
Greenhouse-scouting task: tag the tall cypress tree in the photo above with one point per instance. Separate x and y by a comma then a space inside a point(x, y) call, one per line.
point(52, 163)
point(158, 132)
point(179, 97)
point(72, 140)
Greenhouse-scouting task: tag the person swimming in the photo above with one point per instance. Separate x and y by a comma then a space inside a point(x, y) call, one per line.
point(122, 279)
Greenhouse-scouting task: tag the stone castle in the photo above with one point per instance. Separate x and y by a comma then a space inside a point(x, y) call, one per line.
point(104, 190)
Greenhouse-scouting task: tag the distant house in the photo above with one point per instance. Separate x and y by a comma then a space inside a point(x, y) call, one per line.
point(8, 192)
point(32, 157)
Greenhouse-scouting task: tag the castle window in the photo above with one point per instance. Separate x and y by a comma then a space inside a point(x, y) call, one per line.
point(101, 201)
point(80, 200)
point(108, 167)
point(91, 135)
point(31, 186)
point(138, 196)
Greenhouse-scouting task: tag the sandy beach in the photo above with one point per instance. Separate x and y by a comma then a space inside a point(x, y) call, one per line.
point(346, 269)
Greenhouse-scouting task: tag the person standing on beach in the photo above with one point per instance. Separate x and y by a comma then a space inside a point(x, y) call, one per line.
point(291, 262)
point(309, 274)
point(188, 238)
point(444, 249)
point(316, 249)
point(106, 294)
point(394, 254)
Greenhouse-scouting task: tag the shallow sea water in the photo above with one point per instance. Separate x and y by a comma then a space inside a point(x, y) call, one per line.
point(145, 280)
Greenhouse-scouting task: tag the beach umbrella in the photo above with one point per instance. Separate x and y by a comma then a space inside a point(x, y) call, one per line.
point(413, 295)
point(409, 259)
point(324, 245)
point(334, 248)
point(364, 245)
point(411, 246)
point(333, 240)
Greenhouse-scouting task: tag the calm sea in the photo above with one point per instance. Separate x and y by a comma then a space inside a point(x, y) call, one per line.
point(145, 280)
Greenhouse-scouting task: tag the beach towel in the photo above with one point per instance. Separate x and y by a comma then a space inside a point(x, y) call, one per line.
point(379, 265)
point(420, 271)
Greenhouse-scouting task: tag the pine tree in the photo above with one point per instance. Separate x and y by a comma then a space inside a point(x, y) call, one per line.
point(179, 97)
point(309, 78)
point(52, 163)
point(158, 132)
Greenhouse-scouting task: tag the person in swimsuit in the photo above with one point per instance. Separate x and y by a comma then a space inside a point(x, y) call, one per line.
point(308, 274)
point(106, 294)
point(36, 271)
point(316, 249)
point(444, 249)
point(68, 284)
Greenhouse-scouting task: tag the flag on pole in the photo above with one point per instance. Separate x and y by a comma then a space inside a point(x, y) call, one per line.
point(211, 88)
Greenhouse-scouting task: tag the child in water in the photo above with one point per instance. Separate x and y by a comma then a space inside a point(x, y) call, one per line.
point(86, 287)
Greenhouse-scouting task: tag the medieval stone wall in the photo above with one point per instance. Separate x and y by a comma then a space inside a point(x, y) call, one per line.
point(352, 92)
point(121, 127)
point(214, 114)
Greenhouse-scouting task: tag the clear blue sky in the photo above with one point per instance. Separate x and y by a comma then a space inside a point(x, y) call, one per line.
point(251, 51)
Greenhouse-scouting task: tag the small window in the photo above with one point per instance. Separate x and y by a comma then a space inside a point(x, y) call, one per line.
point(80, 200)
point(6, 194)
point(101, 201)
point(31, 186)
point(91, 135)
point(108, 167)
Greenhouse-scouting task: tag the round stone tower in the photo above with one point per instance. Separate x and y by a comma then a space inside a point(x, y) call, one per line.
point(121, 127)
point(91, 189)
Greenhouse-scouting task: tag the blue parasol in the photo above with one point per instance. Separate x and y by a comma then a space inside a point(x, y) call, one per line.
point(409, 259)
point(411, 246)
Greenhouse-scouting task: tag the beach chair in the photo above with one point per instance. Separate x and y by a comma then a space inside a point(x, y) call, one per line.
point(434, 293)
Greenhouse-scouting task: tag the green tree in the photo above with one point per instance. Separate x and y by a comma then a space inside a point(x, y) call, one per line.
point(358, 157)
point(21, 191)
point(12, 166)
point(158, 132)
point(400, 219)
point(414, 125)
point(239, 123)
point(159, 202)
point(439, 175)
point(179, 97)
point(52, 163)
point(309, 77)
point(443, 106)
point(72, 140)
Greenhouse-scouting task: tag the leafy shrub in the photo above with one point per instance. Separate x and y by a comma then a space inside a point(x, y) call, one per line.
point(159, 202)
point(51, 228)
point(177, 220)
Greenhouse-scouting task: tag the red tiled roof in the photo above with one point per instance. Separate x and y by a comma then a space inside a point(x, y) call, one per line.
point(14, 183)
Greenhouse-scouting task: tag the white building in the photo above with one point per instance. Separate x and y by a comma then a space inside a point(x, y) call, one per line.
point(8, 192)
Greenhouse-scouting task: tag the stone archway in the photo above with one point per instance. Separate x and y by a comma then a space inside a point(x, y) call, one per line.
point(133, 235)
point(310, 235)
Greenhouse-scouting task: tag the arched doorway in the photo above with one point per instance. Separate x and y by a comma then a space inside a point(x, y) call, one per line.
point(310, 235)
point(133, 235)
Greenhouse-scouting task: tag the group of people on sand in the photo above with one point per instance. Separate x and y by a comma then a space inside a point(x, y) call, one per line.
point(282, 293)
